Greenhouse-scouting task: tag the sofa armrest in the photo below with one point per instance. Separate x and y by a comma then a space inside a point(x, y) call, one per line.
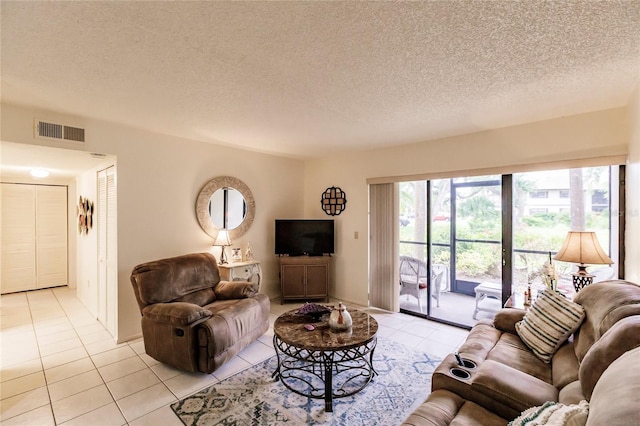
point(226, 290)
point(507, 318)
point(512, 387)
point(178, 313)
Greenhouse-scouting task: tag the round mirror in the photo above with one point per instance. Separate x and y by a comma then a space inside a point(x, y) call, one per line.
point(225, 202)
point(227, 208)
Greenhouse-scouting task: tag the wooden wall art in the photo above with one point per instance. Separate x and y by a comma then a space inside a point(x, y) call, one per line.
point(334, 201)
point(85, 215)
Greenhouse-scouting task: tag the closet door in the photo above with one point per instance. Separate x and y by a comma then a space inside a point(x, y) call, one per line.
point(107, 249)
point(34, 237)
point(51, 236)
point(18, 238)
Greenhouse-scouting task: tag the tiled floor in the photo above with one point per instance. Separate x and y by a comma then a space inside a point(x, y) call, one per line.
point(60, 366)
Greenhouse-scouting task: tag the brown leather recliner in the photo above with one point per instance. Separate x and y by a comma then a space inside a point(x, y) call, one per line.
point(190, 319)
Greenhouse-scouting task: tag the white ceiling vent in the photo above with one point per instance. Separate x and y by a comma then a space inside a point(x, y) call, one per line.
point(48, 130)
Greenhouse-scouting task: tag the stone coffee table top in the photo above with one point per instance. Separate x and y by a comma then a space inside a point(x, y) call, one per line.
point(289, 327)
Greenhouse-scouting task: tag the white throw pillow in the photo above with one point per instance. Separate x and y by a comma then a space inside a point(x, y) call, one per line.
point(554, 413)
point(548, 323)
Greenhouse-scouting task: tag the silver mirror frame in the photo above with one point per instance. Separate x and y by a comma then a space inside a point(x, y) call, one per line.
point(202, 206)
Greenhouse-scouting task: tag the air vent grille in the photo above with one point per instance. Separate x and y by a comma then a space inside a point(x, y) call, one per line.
point(47, 130)
point(73, 134)
point(50, 130)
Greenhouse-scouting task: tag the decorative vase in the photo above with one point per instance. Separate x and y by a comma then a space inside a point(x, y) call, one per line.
point(340, 318)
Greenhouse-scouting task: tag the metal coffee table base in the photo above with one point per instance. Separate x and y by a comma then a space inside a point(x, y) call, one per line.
point(324, 374)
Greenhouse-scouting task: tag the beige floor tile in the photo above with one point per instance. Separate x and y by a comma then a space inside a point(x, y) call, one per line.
point(56, 337)
point(164, 371)
point(82, 403)
point(137, 346)
point(60, 346)
point(108, 415)
point(122, 368)
point(132, 383)
point(42, 416)
point(90, 329)
point(257, 352)
point(163, 416)
point(231, 367)
point(22, 403)
point(148, 360)
point(102, 346)
point(96, 336)
point(70, 369)
point(22, 384)
point(14, 371)
point(64, 357)
point(146, 401)
point(51, 328)
point(74, 385)
point(114, 355)
point(15, 320)
point(188, 383)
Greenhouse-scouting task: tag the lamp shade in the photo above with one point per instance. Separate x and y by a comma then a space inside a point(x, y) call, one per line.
point(584, 248)
point(222, 239)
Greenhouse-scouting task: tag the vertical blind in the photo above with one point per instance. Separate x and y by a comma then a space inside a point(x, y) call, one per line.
point(383, 252)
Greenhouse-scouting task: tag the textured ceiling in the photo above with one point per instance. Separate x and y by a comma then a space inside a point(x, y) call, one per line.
point(307, 79)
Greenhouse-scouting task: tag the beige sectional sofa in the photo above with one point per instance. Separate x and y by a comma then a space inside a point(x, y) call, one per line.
point(598, 364)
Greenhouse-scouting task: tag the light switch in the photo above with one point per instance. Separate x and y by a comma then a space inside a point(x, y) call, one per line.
point(355, 235)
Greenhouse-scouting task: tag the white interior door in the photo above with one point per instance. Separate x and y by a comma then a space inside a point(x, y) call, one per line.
point(18, 238)
point(34, 237)
point(107, 249)
point(51, 236)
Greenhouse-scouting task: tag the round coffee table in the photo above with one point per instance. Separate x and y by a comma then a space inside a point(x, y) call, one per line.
point(323, 363)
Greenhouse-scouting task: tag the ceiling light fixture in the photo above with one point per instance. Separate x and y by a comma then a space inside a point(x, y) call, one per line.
point(39, 173)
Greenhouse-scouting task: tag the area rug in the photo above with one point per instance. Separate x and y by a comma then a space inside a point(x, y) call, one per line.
point(253, 397)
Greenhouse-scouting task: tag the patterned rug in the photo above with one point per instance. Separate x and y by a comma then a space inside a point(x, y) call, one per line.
point(253, 397)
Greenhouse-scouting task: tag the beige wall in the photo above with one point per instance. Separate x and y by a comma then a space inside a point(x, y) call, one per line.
point(159, 178)
point(632, 236)
point(603, 133)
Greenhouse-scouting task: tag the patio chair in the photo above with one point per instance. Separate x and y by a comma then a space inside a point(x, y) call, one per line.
point(413, 280)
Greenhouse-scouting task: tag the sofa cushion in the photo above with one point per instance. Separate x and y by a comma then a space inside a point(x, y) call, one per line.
point(616, 396)
point(235, 290)
point(564, 366)
point(549, 323)
point(178, 313)
point(605, 303)
point(622, 337)
point(554, 413)
point(444, 408)
point(166, 280)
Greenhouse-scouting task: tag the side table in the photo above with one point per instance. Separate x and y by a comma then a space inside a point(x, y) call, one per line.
point(241, 271)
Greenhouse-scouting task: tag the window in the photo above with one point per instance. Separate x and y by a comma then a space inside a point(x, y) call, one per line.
point(539, 194)
point(564, 193)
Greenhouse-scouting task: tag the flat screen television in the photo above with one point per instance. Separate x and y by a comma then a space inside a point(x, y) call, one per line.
point(298, 237)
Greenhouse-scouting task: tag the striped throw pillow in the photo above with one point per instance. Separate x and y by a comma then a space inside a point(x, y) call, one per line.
point(548, 323)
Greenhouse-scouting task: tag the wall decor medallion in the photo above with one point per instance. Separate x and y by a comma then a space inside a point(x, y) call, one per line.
point(334, 201)
point(85, 215)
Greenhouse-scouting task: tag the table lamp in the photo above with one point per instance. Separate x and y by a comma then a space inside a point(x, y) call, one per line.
point(222, 240)
point(583, 248)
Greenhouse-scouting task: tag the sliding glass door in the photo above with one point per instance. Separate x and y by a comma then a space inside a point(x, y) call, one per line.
point(480, 239)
